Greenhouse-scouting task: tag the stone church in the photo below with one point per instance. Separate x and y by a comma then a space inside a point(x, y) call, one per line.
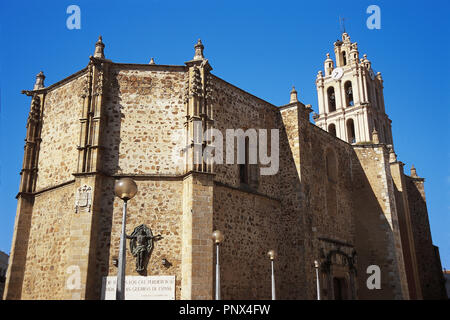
point(339, 197)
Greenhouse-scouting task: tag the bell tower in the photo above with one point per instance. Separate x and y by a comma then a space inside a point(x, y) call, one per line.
point(350, 96)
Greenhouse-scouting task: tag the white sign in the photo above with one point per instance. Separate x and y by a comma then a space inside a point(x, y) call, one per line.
point(141, 288)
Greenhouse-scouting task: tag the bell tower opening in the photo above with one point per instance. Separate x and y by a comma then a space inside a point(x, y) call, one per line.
point(348, 94)
point(351, 131)
point(331, 99)
point(332, 129)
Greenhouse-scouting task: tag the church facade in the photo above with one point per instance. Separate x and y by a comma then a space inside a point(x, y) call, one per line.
point(339, 195)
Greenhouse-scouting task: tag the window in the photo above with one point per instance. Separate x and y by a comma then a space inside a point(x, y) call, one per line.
point(344, 58)
point(351, 131)
point(244, 168)
point(332, 175)
point(331, 99)
point(332, 129)
point(348, 94)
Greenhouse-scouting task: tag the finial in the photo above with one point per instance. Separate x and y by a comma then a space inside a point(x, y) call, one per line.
point(345, 37)
point(99, 49)
point(199, 50)
point(39, 84)
point(392, 155)
point(365, 58)
point(328, 56)
point(293, 95)
point(413, 172)
point(375, 138)
point(152, 61)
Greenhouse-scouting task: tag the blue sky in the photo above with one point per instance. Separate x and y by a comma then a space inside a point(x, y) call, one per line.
point(264, 47)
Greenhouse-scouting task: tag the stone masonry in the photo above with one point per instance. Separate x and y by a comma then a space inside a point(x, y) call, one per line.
point(343, 203)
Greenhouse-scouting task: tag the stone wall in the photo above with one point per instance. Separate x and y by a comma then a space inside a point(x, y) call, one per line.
point(197, 245)
point(327, 206)
point(251, 225)
point(237, 109)
point(143, 137)
point(145, 116)
point(36, 215)
point(429, 264)
point(248, 215)
point(406, 232)
point(48, 245)
point(292, 257)
point(3, 267)
point(60, 133)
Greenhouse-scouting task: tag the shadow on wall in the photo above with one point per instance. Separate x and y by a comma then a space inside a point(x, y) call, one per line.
point(374, 235)
point(408, 254)
point(429, 263)
point(253, 224)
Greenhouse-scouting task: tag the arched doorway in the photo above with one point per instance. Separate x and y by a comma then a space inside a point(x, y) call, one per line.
point(338, 271)
point(340, 288)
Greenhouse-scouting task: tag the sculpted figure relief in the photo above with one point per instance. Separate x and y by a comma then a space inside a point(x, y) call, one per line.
point(141, 246)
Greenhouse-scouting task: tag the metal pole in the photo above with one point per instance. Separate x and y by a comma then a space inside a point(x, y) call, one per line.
point(273, 281)
point(120, 288)
point(217, 273)
point(318, 283)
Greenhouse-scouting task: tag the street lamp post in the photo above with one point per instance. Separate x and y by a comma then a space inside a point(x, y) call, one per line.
point(125, 189)
point(217, 237)
point(316, 266)
point(272, 256)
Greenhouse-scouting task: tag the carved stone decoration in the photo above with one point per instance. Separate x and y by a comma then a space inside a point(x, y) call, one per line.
point(99, 82)
point(210, 93)
point(141, 246)
point(196, 88)
point(85, 91)
point(187, 90)
point(34, 114)
point(83, 200)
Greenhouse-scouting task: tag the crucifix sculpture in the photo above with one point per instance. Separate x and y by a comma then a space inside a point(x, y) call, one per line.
point(141, 246)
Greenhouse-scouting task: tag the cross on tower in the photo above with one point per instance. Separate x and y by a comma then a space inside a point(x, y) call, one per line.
point(342, 23)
